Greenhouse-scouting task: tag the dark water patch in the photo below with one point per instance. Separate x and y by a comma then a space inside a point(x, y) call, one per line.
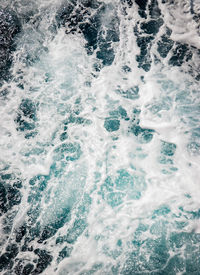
point(165, 44)
point(165, 160)
point(151, 27)
point(193, 148)
point(10, 26)
point(86, 18)
point(6, 259)
point(112, 125)
point(74, 119)
point(68, 151)
point(28, 109)
point(194, 214)
point(64, 13)
point(27, 269)
point(18, 269)
point(106, 54)
point(32, 215)
point(90, 4)
point(180, 55)
point(168, 149)
point(127, 2)
point(123, 113)
point(44, 259)
point(4, 93)
point(7, 223)
point(90, 32)
point(63, 136)
point(40, 181)
point(144, 59)
point(144, 135)
point(142, 4)
point(26, 118)
point(72, 13)
point(154, 9)
point(20, 233)
point(146, 30)
point(120, 112)
point(9, 197)
point(47, 233)
point(64, 253)
point(126, 69)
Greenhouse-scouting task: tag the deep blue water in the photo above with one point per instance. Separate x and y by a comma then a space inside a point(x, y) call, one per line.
point(99, 137)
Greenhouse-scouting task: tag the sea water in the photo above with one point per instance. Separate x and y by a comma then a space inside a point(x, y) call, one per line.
point(100, 138)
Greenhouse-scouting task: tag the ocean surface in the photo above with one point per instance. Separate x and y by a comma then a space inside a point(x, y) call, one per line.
point(100, 137)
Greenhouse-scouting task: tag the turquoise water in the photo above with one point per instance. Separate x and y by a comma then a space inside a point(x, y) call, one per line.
point(100, 137)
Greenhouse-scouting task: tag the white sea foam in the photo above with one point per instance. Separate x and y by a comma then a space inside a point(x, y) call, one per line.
point(54, 82)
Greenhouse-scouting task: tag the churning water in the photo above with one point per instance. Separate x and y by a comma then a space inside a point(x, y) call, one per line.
point(100, 137)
